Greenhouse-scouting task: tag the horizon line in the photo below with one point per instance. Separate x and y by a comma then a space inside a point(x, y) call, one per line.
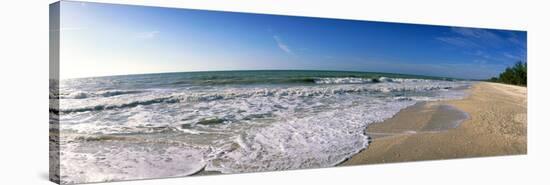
point(235, 70)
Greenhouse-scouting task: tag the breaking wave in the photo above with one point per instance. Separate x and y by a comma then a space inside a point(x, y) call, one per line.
point(231, 93)
point(107, 93)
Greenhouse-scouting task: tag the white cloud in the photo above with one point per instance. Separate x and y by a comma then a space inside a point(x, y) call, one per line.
point(480, 61)
point(458, 41)
point(482, 54)
point(485, 44)
point(512, 57)
point(477, 33)
point(473, 37)
point(282, 45)
point(147, 35)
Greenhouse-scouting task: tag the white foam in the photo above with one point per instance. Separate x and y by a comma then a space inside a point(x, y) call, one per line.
point(325, 139)
point(346, 80)
point(253, 128)
point(85, 162)
point(104, 93)
point(132, 100)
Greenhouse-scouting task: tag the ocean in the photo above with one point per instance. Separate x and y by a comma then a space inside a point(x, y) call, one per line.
point(178, 124)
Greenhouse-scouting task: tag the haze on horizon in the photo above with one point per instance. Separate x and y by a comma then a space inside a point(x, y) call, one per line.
point(106, 39)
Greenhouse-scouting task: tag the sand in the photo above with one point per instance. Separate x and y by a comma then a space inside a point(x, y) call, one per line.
point(496, 124)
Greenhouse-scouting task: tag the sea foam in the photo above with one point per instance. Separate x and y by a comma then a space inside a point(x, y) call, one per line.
point(180, 131)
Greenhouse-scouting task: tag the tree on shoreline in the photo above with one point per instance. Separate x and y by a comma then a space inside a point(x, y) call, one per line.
point(515, 75)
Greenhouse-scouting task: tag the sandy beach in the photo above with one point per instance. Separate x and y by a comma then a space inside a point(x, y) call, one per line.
point(496, 124)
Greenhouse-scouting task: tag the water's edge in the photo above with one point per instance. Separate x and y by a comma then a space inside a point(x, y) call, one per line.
point(421, 105)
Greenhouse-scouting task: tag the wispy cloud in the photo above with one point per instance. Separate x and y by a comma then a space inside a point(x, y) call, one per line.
point(515, 40)
point(457, 41)
point(482, 54)
point(480, 61)
point(472, 38)
point(513, 57)
point(509, 55)
point(282, 45)
point(477, 33)
point(147, 35)
point(485, 45)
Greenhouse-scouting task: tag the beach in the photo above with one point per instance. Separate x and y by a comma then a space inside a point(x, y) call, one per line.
point(182, 124)
point(496, 124)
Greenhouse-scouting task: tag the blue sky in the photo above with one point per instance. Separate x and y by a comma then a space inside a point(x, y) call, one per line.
point(104, 39)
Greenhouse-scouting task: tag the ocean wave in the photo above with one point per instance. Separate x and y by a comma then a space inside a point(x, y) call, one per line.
point(293, 80)
point(346, 80)
point(121, 105)
point(355, 80)
point(247, 81)
point(304, 80)
point(106, 93)
point(232, 93)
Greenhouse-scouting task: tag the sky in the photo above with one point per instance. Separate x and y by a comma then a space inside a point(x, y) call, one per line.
point(105, 39)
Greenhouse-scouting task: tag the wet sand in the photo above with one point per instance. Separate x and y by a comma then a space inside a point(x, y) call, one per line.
point(495, 124)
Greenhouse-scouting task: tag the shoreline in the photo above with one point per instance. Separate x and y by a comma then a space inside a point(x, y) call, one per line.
point(496, 125)
point(490, 121)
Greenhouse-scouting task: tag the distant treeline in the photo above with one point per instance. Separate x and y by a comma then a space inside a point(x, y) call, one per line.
point(515, 75)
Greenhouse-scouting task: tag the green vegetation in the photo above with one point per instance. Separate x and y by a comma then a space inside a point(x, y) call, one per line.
point(515, 75)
